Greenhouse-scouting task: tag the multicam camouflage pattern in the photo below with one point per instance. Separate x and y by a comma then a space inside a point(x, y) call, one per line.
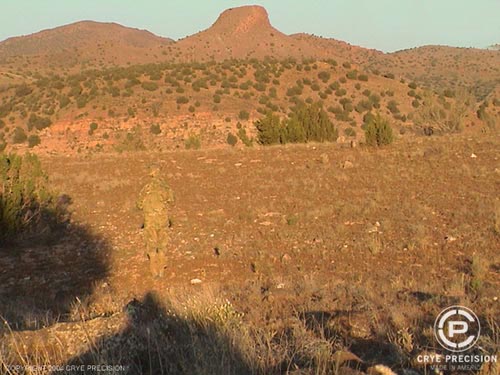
point(153, 201)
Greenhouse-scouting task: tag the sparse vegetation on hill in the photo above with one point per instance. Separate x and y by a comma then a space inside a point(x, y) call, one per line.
point(443, 69)
point(232, 89)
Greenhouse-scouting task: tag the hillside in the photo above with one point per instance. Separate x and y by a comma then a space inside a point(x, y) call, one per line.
point(100, 108)
point(83, 44)
point(239, 33)
point(246, 32)
point(441, 68)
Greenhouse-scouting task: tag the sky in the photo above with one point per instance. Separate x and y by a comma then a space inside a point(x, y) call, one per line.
point(387, 25)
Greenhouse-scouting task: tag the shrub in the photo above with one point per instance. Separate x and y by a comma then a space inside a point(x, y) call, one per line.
point(244, 115)
point(217, 99)
point(306, 123)
point(293, 91)
point(449, 93)
point(242, 135)
point(33, 140)
point(193, 142)
point(269, 129)
point(340, 92)
point(149, 86)
point(324, 76)
point(38, 122)
point(431, 113)
point(63, 101)
point(93, 127)
point(334, 86)
point(350, 132)
point(131, 142)
point(23, 90)
point(259, 86)
point(182, 100)
point(155, 129)
point(393, 107)
point(353, 74)
point(114, 91)
point(363, 77)
point(231, 139)
point(363, 106)
point(19, 135)
point(81, 101)
point(24, 194)
point(378, 132)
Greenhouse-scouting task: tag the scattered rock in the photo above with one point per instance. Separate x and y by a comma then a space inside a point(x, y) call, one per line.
point(324, 159)
point(373, 228)
point(285, 259)
point(381, 370)
point(347, 164)
point(450, 239)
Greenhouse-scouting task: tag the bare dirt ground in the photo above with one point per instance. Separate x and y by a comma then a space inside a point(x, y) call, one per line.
point(364, 247)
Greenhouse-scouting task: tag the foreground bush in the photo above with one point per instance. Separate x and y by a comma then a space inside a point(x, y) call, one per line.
point(24, 194)
point(269, 129)
point(443, 116)
point(378, 132)
point(306, 123)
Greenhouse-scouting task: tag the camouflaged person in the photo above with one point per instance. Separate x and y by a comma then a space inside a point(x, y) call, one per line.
point(153, 201)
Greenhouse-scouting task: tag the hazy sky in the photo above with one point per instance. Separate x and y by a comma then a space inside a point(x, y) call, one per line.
point(387, 25)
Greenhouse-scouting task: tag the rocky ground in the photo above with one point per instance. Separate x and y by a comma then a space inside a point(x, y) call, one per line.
point(282, 258)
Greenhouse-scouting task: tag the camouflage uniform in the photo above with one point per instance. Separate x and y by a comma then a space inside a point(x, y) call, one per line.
point(153, 201)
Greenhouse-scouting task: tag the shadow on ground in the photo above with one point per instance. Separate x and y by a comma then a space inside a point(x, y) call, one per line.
point(44, 272)
point(156, 340)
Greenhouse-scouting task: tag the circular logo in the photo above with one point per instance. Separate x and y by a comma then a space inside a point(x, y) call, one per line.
point(457, 328)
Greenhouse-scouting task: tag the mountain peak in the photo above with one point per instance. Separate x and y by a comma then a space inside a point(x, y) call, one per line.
point(242, 20)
